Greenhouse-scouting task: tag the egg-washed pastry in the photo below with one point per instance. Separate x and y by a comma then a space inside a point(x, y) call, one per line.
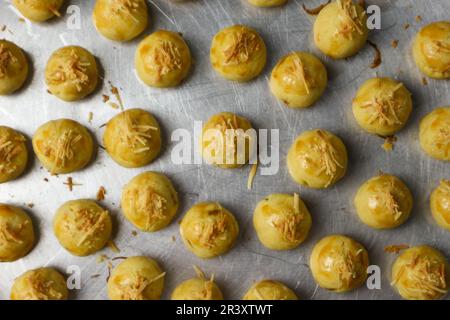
point(382, 106)
point(226, 143)
point(238, 53)
point(434, 134)
point(267, 3)
point(13, 154)
point(269, 290)
point(40, 284)
point(120, 20)
point(38, 10)
point(209, 230)
point(71, 73)
point(136, 278)
point(431, 50)
point(298, 80)
point(82, 227)
point(383, 202)
point(133, 138)
point(16, 233)
point(339, 263)
point(440, 204)
point(282, 221)
point(163, 59)
point(199, 288)
point(13, 67)
point(421, 273)
point(340, 29)
point(317, 159)
point(63, 146)
point(149, 201)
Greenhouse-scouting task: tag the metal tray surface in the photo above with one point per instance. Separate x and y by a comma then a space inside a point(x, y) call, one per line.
point(204, 93)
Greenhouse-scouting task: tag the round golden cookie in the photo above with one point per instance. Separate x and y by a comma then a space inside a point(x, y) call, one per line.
point(40, 284)
point(269, 290)
point(133, 138)
point(226, 143)
point(120, 20)
point(339, 263)
point(431, 50)
point(13, 154)
point(198, 288)
point(440, 204)
point(434, 134)
point(317, 159)
point(149, 201)
point(382, 106)
point(82, 227)
point(13, 67)
point(340, 29)
point(16, 233)
point(38, 10)
point(299, 79)
point(383, 202)
point(208, 230)
point(136, 278)
point(282, 221)
point(267, 3)
point(163, 59)
point(421, 273)
point(238, 53)
point(63, 146)
point(71, 73)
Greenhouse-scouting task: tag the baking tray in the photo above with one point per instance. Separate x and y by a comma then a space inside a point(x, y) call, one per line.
point(203, 94)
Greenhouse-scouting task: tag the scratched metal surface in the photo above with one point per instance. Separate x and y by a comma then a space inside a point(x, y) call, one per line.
point(203, 94)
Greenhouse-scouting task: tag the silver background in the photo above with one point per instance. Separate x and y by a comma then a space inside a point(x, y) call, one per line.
point(203, 94)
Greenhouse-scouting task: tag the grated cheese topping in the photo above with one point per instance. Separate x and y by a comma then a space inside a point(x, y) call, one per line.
point(350, 21)
point(241, 49)
point(72, 70)
point(166, 58)
point(6, 58)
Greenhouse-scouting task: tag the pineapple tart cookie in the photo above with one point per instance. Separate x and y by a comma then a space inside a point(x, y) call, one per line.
point(383, 202)
point(199, 288)
point(82, 227)
point(317, 159)
point(13, 154)
point(339, 263)
point(40, 284)
point(238, 53)
point(421, 273)
point(434, 134)
point(209, 230)
point(63, 146)
point(16, 233)
point(163, 59)
point(133, 138)
point(38, 10)
point(269, 290)
point(282, 221)
point(13, 67)
point(298, 80)
point(136, 278)
point(440, 204)
point(382, 106)
point(267, 3)
point(120, 20)
point(340, 29)
point(71, 73)
point(149, 201)
point(225, 141)
point(431, 50)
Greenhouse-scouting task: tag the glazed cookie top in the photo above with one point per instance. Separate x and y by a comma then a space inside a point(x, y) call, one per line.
point(440, 204)
point(421, 273)
point(434, 134)
point(199, 288)
point(431, 50)
point(13, 67)
point(269, 290)
point(13, 154)
point(39, 10)
point(238, 53)
point(267, 3)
